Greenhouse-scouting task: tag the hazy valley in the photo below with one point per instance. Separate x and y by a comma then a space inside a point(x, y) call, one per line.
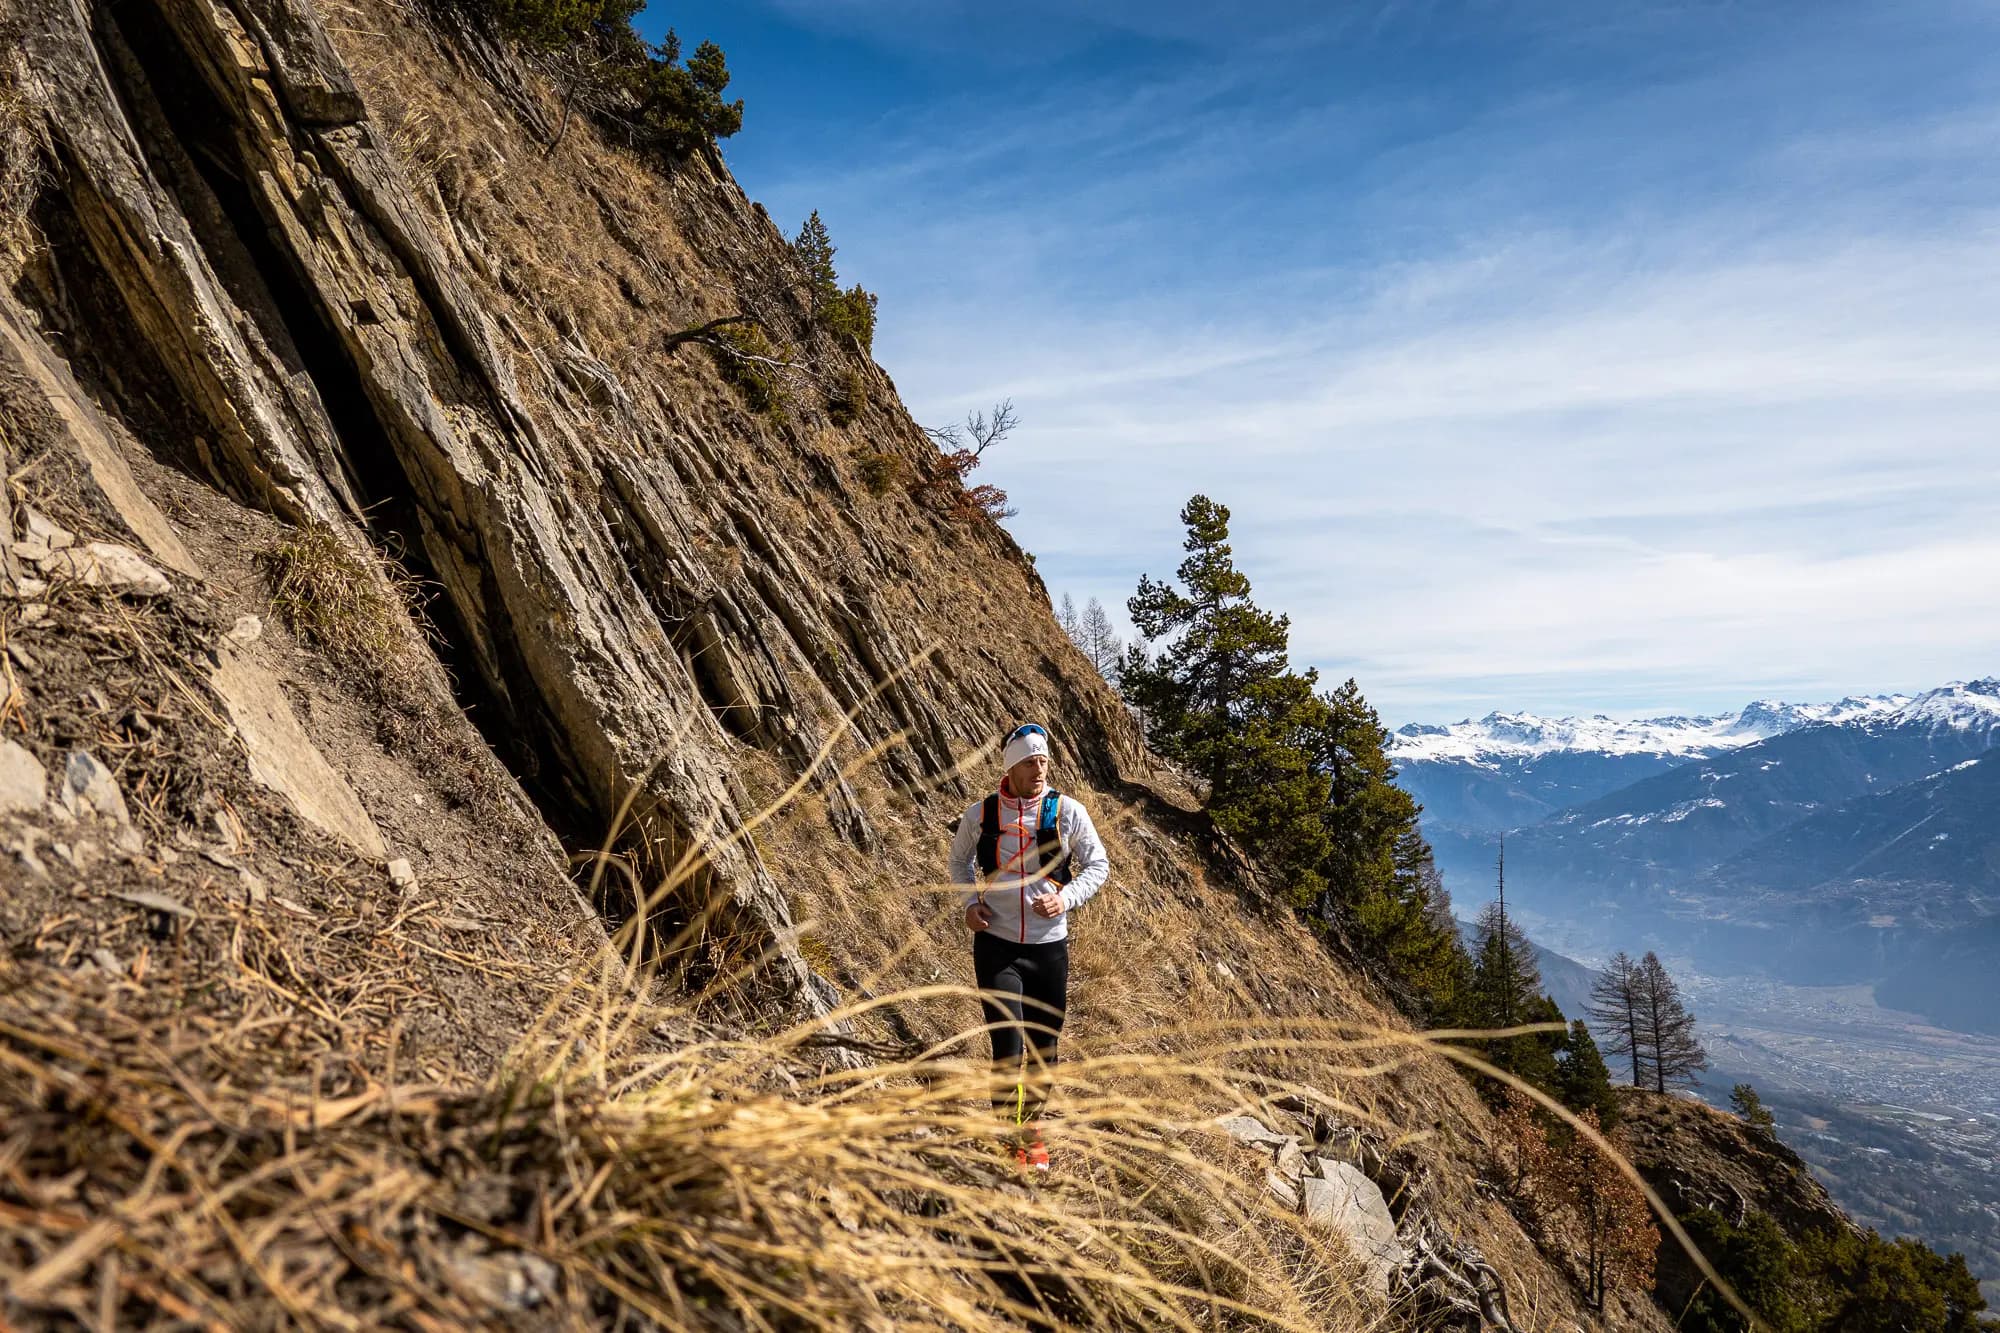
point(1807, 869)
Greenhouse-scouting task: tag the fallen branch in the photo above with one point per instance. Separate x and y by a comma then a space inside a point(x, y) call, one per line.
point(705, 334)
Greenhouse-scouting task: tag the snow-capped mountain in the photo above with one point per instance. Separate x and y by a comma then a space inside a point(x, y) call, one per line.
point(1499, 736)
point(1839, 848)
point(1972, 706)
point(1506, 770)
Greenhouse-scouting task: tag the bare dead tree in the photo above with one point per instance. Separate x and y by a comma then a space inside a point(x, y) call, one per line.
point(960, 451)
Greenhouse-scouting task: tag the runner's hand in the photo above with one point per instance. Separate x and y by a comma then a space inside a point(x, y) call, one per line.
point(978, 916)
point(1048, 904)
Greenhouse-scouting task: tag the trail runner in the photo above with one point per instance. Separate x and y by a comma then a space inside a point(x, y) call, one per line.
point(1029, 856)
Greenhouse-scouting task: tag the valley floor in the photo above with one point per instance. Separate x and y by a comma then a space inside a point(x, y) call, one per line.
point(1900, 1119)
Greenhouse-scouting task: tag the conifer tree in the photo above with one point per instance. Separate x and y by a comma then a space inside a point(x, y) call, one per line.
point(1412, 930)
point(1584, 1083)
point(1099, 640)
point(1667, 1028)
point(1219, 644)
point(1219, 697)
point(1507, 992)
point(1369, 811)
point(1616, 1009)
point(1751, 1107)
point(1505, 978)
point(1302, 779)
point(814, 247)
point(1067, 618)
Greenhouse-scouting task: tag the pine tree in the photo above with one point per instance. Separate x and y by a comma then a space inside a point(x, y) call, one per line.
point(1412, 930)
point(1369, 811)
point(814, 248)
point(1615, 1007)
point(1584, 1083)
point(1219, 697)
point(1751, 1107)
point(1219, 643)
point(1505, 979)
point(1507, 992)
point(1302, 779)
point(1667, 1028)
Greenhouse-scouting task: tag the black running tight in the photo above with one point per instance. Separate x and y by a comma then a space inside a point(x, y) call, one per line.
point(1024, 1018)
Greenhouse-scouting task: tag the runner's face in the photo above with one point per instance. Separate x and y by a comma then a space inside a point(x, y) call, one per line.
point(1028, 777)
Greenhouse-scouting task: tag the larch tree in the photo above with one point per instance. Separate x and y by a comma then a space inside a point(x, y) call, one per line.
point(1615, 1007)
point(1071, 625)
point(1667, 1028)
point(1099, 640)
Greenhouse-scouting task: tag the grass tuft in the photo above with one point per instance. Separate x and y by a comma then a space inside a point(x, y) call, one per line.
point(336, 598)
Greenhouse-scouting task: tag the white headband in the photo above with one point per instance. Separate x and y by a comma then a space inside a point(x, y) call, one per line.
point(1024, 746)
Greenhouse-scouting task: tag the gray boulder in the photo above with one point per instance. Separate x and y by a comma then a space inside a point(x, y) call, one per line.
point(1343, 1200)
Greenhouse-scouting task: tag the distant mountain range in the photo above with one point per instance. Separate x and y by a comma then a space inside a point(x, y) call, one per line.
point(1509, 769)
point(1821, 843)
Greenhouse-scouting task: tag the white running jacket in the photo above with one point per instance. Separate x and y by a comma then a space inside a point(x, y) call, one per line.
point(1009, 893)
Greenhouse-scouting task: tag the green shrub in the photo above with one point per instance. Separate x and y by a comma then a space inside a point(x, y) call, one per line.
point(680, 106)
point(848, 399)
point(882, 473)
point(852, 315)
point(642, 91)
point(744, 356)
point(551, 25)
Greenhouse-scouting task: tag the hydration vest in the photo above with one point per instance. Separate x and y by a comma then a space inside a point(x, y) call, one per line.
point(1048, 840)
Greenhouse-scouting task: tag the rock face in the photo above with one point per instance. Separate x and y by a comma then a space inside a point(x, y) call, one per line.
point(624, 603)
point(1698, 1157)
point(281, 297)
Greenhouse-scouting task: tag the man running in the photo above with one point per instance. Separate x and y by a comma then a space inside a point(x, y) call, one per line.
point(1030, 857)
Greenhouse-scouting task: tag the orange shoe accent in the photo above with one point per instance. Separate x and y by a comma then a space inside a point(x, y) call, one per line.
point(1036, 1155)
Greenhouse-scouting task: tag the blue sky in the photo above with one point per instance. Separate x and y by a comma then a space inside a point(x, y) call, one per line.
point(1580, 357)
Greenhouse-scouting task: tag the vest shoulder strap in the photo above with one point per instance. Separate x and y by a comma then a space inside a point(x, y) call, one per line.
point(989, 834)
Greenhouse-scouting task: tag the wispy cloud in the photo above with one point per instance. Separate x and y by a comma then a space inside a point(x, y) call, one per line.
point(1657, 375)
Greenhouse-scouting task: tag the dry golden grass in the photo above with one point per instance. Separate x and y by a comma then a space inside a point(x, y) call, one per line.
point(337, 599)
point(21, 154)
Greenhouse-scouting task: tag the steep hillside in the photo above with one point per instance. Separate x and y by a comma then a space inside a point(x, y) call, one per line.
point(400, 607)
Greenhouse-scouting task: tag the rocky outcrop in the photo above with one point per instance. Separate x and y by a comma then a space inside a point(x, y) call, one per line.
point(1314, 1167)
point(1697, 1157)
